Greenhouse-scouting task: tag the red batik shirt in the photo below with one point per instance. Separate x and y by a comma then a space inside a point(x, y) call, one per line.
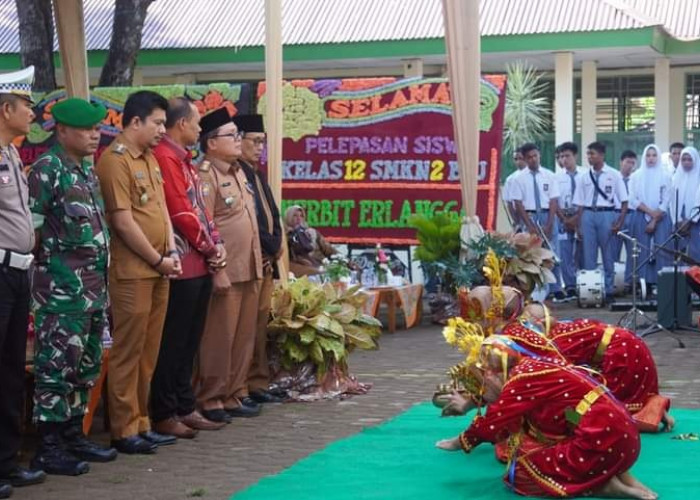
point(196, 235)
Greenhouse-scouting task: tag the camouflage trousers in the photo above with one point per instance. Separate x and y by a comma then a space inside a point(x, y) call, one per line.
point(67, 362)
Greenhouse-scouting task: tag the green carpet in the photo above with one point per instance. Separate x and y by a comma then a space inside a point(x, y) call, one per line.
point(398, 460)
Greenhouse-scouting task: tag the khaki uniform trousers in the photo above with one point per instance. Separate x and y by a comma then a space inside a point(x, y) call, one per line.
point(226, 348)
point(259, 374)
point(138, 311)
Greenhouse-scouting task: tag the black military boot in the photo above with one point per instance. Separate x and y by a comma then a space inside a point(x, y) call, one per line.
point(79, 445)
point(52, 457)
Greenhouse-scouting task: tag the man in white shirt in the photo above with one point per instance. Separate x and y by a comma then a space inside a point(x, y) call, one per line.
point(570, 246)
point(628, 163)
point(596, 198)
point(508, 187)
point(674, 156)
point(536, 194)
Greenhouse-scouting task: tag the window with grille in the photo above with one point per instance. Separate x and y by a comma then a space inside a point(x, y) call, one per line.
point(692, 107)
point(625, 104)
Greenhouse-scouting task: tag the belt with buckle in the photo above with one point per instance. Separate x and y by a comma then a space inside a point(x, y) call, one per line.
point(600, 209)
point(15, 260)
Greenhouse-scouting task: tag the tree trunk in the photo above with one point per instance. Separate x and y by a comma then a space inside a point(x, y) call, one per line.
point(36, 41)
point(129, 16)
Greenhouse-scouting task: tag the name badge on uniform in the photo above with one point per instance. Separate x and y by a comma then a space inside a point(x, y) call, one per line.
point(4, 167)
point(608, 189)
point(545, 187)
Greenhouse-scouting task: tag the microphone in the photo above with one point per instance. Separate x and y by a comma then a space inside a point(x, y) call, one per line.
point(625, 236)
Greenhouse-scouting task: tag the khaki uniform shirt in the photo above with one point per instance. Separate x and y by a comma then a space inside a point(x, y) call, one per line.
point(230, 199)
point(132, 181)
point(16, 229)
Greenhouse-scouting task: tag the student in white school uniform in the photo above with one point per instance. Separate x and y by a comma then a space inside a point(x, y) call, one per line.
point(650, 189)
point(508, 187)
point(570, 246)
point(683, 206)
point(536, 196)
point(600, 191)
point(628, 164)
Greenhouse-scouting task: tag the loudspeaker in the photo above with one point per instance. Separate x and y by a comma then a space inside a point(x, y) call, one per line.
point(665, 298)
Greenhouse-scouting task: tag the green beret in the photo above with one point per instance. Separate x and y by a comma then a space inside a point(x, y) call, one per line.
point(78, 113)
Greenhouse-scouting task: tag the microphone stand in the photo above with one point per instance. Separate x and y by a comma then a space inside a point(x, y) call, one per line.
point(675, 325)
point(630, 318)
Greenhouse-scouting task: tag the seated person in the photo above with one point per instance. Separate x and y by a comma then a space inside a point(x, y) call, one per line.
point(582, 440)
point(307, 247)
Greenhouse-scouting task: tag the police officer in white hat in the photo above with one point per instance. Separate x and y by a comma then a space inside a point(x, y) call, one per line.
point(16, 245)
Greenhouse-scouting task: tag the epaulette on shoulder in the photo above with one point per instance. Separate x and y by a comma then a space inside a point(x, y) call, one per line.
point(119, 148)
point(205, 166)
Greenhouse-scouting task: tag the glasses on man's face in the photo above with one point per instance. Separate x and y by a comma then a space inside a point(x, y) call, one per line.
point(256, 142)
point(237, 136)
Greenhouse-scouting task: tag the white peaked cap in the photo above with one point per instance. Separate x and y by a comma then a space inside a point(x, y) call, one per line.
point(18, 82)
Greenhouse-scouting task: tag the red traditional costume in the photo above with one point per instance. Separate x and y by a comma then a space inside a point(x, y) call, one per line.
point(623, 359)
point(582, 436)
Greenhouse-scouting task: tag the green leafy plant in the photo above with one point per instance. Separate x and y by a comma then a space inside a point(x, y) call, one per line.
point(437, 235)
point(336, 267)
point(527, 114)
point(321, 324)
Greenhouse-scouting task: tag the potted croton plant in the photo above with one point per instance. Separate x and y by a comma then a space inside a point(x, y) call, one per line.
point(314, 328)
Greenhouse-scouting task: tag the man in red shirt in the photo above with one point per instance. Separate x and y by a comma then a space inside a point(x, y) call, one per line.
point(201, 252)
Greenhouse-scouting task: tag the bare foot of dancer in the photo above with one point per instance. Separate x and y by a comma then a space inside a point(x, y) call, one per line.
point(615, 488)
point(668, 422)
point(630, 480)
point(449, 444)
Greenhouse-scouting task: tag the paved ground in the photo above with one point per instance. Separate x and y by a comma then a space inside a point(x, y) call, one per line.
point(404, 371)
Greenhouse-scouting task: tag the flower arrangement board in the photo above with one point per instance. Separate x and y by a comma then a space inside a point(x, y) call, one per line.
point(363, 155)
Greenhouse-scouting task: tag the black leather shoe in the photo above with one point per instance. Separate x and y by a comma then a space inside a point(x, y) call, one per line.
point(250, 403)
point(217, 416)
point(5, 490)
point(134, 445)
point(158, 439)
point(246, 410)
point(265, 397)
point(20, 476)
point(80, 446)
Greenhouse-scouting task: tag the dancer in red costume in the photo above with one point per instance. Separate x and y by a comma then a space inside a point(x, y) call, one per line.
point(582, 441)
point(621, 357)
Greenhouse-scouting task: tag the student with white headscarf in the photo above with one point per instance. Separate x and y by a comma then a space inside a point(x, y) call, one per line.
point(683, 203)
point(650, 190)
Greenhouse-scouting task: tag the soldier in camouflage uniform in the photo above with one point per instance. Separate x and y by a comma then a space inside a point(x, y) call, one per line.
point(69, 288)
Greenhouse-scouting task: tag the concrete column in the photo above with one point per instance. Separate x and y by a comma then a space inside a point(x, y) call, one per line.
point(678, 103)
point(413, 68)
point(563, 97)
point(589, 101)
point(137, 80)
point(662, 95)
